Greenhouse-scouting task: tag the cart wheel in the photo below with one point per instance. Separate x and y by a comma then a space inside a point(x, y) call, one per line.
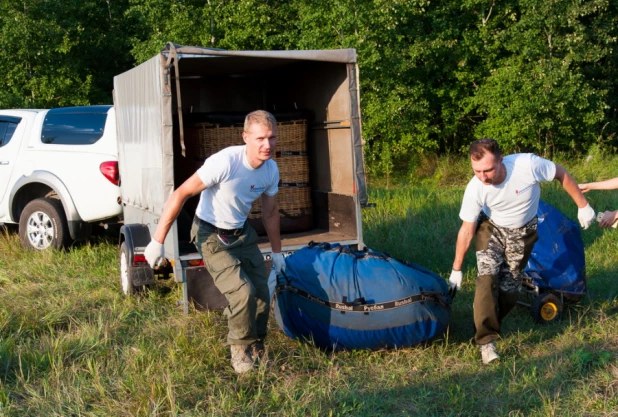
point(126, 273)
point(546, 308)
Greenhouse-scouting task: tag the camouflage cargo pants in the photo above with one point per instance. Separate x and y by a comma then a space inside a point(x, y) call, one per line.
point(237, 268)
point(501, 256)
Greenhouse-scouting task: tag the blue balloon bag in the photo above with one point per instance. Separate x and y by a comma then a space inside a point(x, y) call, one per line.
point(345, 299)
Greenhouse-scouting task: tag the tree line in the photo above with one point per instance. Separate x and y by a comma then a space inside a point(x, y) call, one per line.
point(537, 75)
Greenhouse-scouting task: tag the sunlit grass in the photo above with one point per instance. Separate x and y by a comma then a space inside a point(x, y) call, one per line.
point(70, 344)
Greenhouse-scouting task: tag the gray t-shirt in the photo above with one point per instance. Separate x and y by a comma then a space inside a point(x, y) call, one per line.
point(232, 186)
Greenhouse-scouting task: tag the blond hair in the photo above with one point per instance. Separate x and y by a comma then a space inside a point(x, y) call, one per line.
point(260, 117)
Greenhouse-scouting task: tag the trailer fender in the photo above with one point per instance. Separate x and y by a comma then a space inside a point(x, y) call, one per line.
point(136, 237)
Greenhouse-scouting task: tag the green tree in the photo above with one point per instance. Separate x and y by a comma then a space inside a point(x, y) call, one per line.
point(541, 90)
point(61, 53)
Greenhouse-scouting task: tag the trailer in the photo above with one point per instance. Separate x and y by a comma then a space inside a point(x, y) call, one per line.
point(172, 112)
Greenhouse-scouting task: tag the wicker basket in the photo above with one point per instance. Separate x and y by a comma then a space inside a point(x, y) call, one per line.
point(293, 202)
point(292, 136)
point(205, 139)
point(293, 169)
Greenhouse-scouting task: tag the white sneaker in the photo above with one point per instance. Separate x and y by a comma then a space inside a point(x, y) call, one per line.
point(488, 353)
point(241, 358)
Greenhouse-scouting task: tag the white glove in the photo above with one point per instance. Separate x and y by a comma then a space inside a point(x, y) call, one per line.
point(455, 279)
point(586, 216)
point(278, 263)
point(154, 253)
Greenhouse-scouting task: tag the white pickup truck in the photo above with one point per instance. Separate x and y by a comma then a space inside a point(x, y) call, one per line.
point(58, 173)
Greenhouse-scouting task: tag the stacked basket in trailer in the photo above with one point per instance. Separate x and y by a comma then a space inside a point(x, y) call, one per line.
point(185, 103)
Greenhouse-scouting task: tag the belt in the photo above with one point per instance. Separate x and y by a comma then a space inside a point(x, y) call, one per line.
point(224, 232)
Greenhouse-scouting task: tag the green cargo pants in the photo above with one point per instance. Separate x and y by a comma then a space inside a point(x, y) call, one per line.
point(501, 256)
point(237, 268)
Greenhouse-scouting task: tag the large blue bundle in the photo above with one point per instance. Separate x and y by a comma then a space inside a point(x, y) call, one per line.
point(345, 299)
point(557, 261)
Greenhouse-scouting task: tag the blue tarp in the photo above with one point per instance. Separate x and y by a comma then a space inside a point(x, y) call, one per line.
point(557, 261)
point(345, 299)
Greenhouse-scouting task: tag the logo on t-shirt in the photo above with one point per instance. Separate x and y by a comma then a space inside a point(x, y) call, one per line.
point(255, 189)
point(519, 192)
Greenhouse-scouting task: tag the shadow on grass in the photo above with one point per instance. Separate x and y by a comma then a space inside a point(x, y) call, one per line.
point(545, 385)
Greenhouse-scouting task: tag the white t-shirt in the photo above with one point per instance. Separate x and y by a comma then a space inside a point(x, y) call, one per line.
point(232, 185)
point(515, 201)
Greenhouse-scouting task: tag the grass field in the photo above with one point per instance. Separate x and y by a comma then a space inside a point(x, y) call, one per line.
point(71, 345)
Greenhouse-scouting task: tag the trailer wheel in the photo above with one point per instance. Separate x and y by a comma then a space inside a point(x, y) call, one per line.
point(43, 224)
point(126, 273)
point(546, 308)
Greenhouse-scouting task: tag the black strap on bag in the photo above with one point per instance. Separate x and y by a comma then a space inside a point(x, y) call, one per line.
point(360, 305)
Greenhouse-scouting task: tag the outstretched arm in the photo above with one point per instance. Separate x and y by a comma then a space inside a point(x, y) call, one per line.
point(192, 186)
point(611, 184)
point(271, 220)
point(155, 249)
point(570, 186)
point(464, 238)
point(585, 213)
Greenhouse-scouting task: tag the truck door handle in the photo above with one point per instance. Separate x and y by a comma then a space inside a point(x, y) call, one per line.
point(4, 162)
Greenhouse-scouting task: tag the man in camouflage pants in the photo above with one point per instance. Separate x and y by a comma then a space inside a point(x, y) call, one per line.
point(500, 205)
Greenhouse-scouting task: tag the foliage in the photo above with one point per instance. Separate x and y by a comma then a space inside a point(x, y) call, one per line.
point(61, 53)
point(537, 75)
point(537, 94)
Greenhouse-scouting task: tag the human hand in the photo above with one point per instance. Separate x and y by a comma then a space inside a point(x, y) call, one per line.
point(154, 253)
point(584, 187)
point(586, 216)
point(608, 219)
point(278, 263)
point(455, 279)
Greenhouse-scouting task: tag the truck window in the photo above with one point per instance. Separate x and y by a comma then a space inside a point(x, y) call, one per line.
point(73, 128)
point(7, 128)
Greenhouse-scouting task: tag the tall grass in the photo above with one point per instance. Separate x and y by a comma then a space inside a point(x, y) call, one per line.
point(71, 345)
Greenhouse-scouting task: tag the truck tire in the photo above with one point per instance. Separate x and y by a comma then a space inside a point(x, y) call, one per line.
point(126, 273)
point(43, 225)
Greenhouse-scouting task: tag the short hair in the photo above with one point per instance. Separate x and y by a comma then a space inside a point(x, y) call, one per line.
point(480, 147)
point(260, 117)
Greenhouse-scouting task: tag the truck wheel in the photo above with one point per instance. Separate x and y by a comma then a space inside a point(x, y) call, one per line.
point(546, 308)
point(43, 224)
point(126, 273)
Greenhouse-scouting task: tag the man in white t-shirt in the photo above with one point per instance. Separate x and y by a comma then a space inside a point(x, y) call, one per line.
point(500, 205)
point(228, 183)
